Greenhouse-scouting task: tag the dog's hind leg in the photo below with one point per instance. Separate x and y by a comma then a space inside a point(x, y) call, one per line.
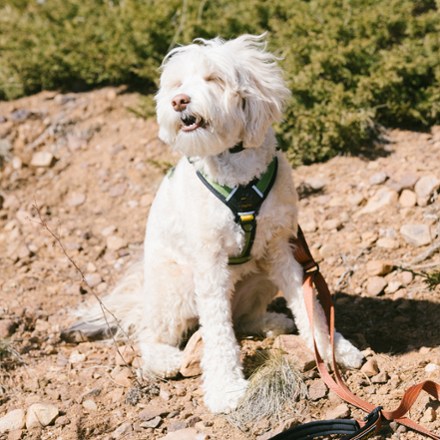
point(251, 298)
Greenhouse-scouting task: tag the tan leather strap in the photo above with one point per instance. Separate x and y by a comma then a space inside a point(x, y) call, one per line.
point(313, 277)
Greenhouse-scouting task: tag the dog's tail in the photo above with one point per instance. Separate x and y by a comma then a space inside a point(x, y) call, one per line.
point(118, 314)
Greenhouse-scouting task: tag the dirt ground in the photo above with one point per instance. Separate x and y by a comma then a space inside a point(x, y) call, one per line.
point(87, 166)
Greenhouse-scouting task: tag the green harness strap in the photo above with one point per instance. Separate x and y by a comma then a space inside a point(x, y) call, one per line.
point(245, 202)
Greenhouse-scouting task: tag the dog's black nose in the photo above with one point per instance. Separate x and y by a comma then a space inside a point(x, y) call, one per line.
point(180, 102)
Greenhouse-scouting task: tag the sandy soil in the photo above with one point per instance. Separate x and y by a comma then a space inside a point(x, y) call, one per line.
point(91, 166)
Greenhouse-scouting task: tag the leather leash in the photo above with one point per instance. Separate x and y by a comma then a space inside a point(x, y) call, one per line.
point(351, 429)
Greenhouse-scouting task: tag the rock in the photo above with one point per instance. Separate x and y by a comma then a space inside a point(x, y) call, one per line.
point(384, 197)
point(76, 199)
point(407, 199)
point(164, 394)
point(431, 368)
point(108, 230)
point(368, 238)
point(387, 243)
point(93, 279)
point(41, 414)
point(193, 420)
point(379, 267)
point(381, 377)
point(340, 412)
point(332, 224)
point(295, 347)
point(425, 188)
point(370, 368)
point(177, 425)
point(376, 285)
point(315, 183)
point(90, 405)
point(152, 423)
point(406, 278)
point(308, 224)
point(407, 181)
point(122, 376)
point(122, 431)
point(13, 420)
point(429, 416)
point(378, 178)
point(416, 234)
point(185, 434)
point(317, 390)
point(328, 250)
point(42, 159)
point(192, 355)
point(152, 411)
point(76, 357)
point(114, 243)
point(20, 115)
point(125, 355)
point(16, 434)
point(393, 286)
point(17, 163)
point(355, 199)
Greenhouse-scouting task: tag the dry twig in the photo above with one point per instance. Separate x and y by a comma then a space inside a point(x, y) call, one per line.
point(104, 309)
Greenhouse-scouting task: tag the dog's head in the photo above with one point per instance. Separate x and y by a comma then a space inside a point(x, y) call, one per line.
point(215, 94)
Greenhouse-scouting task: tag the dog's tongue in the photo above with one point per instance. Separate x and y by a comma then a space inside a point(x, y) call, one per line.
point(190, 123)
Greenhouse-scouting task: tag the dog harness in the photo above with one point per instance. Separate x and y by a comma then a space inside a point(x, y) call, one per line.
point(245, 202)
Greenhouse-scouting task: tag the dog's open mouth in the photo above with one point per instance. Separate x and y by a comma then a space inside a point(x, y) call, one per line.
point(191, 122)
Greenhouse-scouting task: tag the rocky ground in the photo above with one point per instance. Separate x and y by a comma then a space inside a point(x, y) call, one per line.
point(78, 174)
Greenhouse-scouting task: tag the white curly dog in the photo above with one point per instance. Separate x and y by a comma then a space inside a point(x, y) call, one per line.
point(216, 104)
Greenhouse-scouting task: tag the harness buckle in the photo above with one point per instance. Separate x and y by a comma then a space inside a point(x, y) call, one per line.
point(314, 267)
point(246, 217)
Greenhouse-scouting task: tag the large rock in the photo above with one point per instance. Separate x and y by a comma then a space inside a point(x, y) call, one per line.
point(192, 355)
point(295, 347)
point(416, 234)
point(379, 267)
point(14, 419)
point(407, 199)
point(384, 197)
point(376, 285)
point(41, 414)
point(425, 188)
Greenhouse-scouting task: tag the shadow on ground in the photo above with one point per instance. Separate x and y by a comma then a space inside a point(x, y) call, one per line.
point(388, 326)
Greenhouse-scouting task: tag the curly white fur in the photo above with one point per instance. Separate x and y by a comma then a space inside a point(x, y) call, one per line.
point(213, 95)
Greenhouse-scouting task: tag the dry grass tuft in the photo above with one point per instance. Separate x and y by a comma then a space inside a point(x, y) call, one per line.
point(274, 384)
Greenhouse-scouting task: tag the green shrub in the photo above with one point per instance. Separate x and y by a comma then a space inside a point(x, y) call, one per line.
point(352, 65)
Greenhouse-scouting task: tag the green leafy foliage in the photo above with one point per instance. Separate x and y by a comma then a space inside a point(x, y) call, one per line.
point(352, 65)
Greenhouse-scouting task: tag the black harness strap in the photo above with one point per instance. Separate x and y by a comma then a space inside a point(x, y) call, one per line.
point(245, 202)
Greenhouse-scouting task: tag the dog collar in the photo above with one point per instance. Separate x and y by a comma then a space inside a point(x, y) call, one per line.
point(245, 202)
point(237, 148)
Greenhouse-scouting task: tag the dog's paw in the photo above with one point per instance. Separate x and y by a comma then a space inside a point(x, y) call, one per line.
point(275, 324)
point(160, 360)
point(223, 398)
point(346, 353)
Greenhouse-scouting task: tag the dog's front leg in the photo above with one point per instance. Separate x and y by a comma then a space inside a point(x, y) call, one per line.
point(287, 274)
point(223, 380)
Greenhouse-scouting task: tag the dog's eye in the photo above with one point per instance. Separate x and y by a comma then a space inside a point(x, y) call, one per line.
point(175, 84)
point(215, 79)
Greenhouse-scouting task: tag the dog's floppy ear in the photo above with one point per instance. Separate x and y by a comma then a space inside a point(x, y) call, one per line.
point(261, 86)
